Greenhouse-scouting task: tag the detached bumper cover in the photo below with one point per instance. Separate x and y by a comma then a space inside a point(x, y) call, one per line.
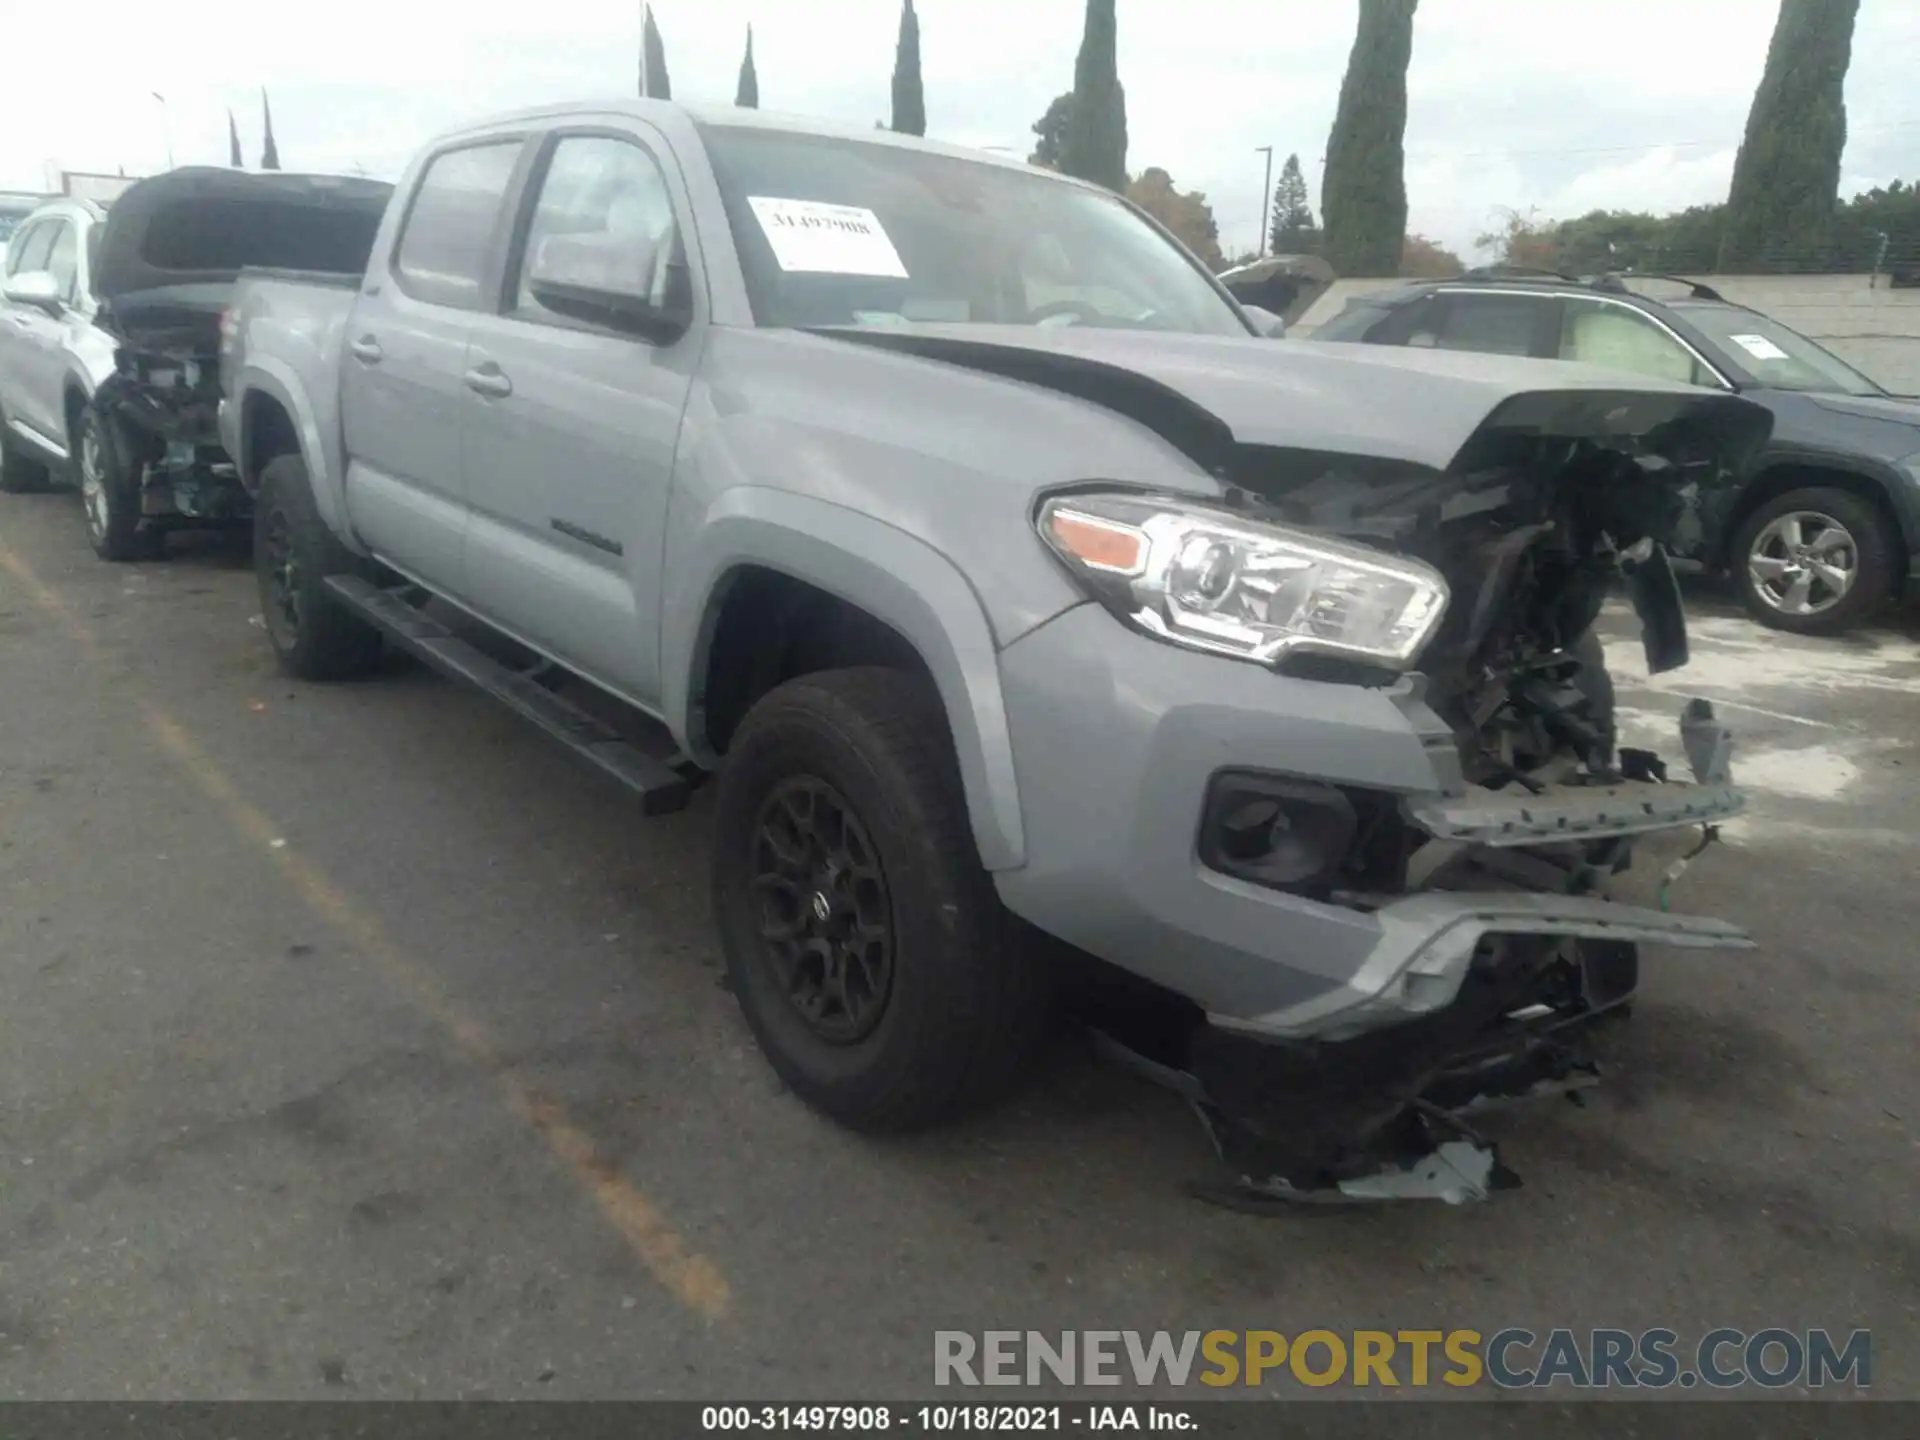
point(1428, 941)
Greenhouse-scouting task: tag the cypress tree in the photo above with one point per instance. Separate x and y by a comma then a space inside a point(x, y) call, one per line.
point(653, 61)
point(1094, 143)
point(234, 157)
point(269, 152)
point(909, 100)
point(747, 95)
point(1786, 179)
point(1363, 199)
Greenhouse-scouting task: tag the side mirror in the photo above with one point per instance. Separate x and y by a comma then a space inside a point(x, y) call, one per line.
point(610, 280)
point(37, 288)
point(1269, 324)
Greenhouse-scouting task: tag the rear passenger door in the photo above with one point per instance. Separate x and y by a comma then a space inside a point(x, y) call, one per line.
point(403, 386)
point(572, 424)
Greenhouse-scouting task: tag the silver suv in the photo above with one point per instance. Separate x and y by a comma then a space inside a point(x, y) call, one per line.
point(51, 356)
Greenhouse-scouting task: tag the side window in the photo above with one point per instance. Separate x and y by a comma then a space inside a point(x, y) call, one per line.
point(63, 260)
point(28, 252)
point(1409, 324)
point(604, 221)
point(1623, 339)
point(443, 251)
point(1491, 324)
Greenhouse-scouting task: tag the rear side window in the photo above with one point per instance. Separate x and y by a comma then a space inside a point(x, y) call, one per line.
point(1492, 324)
point(450, 226)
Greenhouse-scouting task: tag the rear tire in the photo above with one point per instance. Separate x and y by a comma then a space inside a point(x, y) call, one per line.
point(840, 811)
point(1766, 559)
point(109, 491)
point(314, 636)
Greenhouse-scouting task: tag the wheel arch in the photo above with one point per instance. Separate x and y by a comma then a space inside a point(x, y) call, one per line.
point(1786, 476)
point(757, 539)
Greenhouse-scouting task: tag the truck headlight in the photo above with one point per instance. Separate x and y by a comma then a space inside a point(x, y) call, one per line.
point(1207, 579)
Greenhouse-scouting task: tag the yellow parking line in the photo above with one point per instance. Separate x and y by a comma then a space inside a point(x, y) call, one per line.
point(691, 1277)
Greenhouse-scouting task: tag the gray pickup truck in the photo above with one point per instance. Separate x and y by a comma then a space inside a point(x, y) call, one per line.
point(1047, 626)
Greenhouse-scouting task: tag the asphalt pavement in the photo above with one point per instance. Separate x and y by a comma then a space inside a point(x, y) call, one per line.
point(354, 1042)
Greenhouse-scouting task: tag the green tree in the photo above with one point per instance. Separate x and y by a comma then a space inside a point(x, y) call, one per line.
point(1051, 130)
point(653, 61)
point(909, 99)
point(1293, 231)
point(1424, 259)
point(1094, 145)
point(747, 93)
point(1363, 198)
point(1184, 212)
point(1522, 239)
point(1786, 179)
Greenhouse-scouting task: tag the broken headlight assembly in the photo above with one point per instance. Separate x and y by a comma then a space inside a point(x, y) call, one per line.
point(1215, 581)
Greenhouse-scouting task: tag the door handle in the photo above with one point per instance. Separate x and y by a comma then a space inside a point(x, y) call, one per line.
point(366, 349)
point(489, 380)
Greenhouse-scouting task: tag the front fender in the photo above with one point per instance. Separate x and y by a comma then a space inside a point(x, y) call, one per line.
point(320, 444)
point(884, 571)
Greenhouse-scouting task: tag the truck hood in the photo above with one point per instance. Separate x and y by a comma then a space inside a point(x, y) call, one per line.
point(199, 226)
point(1212, 396)
point(1891, 408)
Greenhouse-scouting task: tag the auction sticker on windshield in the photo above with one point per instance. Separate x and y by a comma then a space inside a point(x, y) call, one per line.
point(811, 235)
point(1760, 347)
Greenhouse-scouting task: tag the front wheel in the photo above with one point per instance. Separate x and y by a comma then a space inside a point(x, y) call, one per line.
point(866, 945)
point(314, 636)
point(1814, 562)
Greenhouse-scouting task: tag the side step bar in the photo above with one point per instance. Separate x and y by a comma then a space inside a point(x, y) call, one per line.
point(660, 788)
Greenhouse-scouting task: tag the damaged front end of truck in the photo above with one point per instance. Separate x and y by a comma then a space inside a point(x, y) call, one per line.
point(1501, 948)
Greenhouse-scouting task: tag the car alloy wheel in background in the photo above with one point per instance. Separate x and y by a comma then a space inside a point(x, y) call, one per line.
point(1802, 563)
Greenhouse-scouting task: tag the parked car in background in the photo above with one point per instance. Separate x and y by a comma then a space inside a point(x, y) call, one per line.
point(148, 446)
point(1824, 529)
point(51, 356)
point(1001, 612)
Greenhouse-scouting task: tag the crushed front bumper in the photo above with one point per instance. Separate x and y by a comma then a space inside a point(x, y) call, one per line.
point(1117, 738)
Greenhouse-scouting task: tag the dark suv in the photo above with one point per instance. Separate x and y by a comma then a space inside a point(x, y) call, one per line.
point(1824, 528)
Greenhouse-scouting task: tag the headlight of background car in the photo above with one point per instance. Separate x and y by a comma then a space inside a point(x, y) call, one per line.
point(1214, 581)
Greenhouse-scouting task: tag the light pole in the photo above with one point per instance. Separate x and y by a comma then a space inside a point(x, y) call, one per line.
point(166, 126)
point(1266, 196)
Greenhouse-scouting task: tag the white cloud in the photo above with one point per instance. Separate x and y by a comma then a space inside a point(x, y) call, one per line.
point(1505, 109)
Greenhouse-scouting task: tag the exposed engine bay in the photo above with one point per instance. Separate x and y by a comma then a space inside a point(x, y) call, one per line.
point(1532, 534)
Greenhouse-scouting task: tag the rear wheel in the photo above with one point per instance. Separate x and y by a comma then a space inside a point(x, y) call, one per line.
point(109, 491)
point(314, 636)
point(1814, 562)
point(873, 959)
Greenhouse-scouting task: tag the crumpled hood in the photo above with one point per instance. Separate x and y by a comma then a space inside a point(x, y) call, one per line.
point(1212, 393)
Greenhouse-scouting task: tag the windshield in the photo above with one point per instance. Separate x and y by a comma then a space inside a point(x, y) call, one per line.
point(1778, 358)
point(848, 232)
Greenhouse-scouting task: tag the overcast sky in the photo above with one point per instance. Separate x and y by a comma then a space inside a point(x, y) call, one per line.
point(1628, 104)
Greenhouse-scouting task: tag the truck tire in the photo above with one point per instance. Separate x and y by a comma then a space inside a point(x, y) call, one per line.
point(876, 966)
point(1778, 544)
point(314, 636)
point(109, 492)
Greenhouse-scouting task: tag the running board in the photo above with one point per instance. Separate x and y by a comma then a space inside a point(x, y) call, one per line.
point(660, 788)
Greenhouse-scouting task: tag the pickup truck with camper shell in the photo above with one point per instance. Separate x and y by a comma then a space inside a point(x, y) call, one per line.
point(1041, 619)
